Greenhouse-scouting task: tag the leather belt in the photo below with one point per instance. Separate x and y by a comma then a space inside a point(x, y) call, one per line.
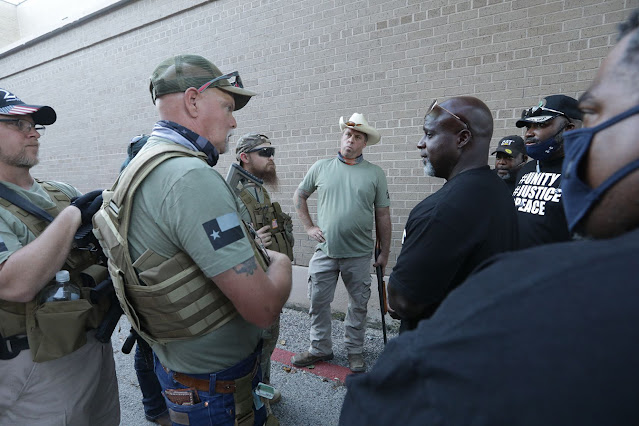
point(221, 386)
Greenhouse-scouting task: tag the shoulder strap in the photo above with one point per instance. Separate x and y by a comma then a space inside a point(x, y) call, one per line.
point(11, 196)
point(116, 211)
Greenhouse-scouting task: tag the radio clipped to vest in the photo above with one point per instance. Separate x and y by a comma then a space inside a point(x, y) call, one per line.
point(164, 299)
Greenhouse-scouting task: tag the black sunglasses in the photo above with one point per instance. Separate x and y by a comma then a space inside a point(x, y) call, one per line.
point(267, 151)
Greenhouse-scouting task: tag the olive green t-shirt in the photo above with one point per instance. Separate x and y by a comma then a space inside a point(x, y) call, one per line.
point(184, 205)
point(347, 196)
point(13, 232)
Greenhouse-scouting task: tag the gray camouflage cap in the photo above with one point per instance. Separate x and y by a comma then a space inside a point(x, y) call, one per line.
point(248, 142)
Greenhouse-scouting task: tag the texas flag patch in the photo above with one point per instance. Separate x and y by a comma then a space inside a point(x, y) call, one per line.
point(223, 230)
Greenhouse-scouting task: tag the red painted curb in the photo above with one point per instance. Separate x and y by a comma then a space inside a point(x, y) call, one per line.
point(322, 369)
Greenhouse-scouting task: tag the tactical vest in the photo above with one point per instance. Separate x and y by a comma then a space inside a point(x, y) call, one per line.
point(169, 299)
point(58, 328)
point(267, 213)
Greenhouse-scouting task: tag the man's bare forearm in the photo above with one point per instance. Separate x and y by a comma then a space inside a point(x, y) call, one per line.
point(301, 207)
point(31, 267)
point(384, 228)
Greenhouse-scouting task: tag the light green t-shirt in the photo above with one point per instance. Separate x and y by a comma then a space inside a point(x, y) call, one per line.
point(185, 205)
point(15, 234)
point(347, 197)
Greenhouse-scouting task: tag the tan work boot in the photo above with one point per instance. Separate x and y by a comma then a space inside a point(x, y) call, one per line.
point(356, 363)
point(307, 358)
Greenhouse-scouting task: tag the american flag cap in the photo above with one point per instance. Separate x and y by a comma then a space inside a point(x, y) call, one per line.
point(10, 104)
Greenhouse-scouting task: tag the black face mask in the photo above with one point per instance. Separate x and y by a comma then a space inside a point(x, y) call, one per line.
point(543, 150)
point(578, 197)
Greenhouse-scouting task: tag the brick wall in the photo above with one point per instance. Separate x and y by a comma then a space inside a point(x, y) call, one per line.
point(312, 61)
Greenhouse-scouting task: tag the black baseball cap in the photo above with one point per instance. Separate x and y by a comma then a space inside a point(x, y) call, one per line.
point(10, 104)
point(511, 145)
point(549, 108)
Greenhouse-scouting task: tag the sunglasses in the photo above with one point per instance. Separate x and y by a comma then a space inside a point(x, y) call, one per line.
point(538, 110)
point(352, 124)
point(436, 105)
point(267, 151)
point(236, 83)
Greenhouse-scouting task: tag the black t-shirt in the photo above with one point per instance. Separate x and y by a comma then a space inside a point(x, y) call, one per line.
point(540, 210)
point(556, 345)
point(471, 218)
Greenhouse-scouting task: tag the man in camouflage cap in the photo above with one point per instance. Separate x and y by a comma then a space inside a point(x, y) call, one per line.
point(255, 154)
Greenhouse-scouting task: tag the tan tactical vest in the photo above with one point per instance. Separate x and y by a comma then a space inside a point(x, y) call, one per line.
point(267, 213)
point(58, 328)
point(170, 299)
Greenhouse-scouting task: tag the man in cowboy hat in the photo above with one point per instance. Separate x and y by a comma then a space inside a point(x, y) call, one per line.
point(351, 191)
point(471, 218)
point(511, 157)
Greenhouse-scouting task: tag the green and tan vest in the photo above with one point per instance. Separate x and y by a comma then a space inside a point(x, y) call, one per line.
point(164, 299)
point(58, 328)
point(267, 213)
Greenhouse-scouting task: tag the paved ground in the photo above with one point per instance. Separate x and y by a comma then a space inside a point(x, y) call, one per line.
point(309, 396)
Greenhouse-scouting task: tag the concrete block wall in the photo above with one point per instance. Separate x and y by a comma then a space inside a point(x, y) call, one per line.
point(311, 61)
point(9, 29)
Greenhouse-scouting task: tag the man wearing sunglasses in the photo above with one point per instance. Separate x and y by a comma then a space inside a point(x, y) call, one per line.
point(352, 195)
point(442, 244)
point(537, 193)
point(193, 283)
point(558, 345)
point(52, 370)
point(255, 154)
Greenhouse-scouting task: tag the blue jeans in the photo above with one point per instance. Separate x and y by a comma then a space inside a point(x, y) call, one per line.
point(152, 399)
point(214, 408)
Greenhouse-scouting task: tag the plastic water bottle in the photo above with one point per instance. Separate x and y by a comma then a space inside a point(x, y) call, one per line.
point(60, 290)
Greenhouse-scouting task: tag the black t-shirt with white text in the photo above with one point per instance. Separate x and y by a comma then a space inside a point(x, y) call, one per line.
point(540, 210)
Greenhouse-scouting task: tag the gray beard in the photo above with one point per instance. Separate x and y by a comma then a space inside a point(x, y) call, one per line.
point(505, 177)
point(429, 170)
point(20, 160)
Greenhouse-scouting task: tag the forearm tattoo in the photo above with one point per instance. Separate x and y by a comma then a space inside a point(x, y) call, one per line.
point(247, 267)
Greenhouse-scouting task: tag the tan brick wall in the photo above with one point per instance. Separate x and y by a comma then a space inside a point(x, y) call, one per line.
point(311, 61)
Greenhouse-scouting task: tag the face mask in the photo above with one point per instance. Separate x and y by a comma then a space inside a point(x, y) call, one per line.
point(544, 150)
point(578, 197)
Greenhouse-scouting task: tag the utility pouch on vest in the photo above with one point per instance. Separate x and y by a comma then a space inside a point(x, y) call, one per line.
point(56, 329)
point(53, 329)
point(243, 395)
point(14, 320)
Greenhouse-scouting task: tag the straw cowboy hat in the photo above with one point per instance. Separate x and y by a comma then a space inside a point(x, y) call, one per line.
point(359, 123)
